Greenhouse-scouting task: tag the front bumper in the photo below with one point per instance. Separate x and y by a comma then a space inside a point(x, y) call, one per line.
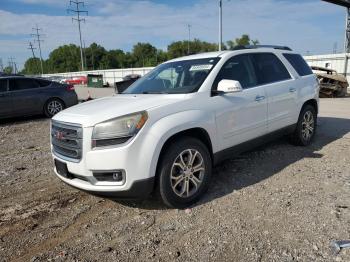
point(134, 158)
point(139, 189)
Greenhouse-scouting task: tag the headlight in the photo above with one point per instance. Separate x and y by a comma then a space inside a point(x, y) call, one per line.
point(118, 130)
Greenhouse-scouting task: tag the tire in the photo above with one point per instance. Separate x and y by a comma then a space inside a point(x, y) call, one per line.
point(306, 127)
point(53, 106)
point(177, 179)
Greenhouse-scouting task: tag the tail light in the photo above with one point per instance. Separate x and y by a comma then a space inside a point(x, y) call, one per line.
point(70, 88)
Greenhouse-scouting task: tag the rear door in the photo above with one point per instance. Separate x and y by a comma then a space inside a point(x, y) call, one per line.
point(6, 109)
point(25, 96)
point(280, 90)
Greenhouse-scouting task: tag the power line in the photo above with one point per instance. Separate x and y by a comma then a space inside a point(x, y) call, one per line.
point(77, 11)
point(38, 40)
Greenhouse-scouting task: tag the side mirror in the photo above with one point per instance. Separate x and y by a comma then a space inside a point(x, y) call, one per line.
point(229, 86)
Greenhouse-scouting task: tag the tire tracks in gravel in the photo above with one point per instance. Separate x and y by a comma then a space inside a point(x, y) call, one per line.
point(67, 233)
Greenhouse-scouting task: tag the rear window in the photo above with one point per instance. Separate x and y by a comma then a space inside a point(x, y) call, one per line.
point(269, 68)
point(299, 64)
point(3, 85)
point(43, 82)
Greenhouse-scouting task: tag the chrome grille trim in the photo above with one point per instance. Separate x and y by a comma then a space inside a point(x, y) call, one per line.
point(67, 140)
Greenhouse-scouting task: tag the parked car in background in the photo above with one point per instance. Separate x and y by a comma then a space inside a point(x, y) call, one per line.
point(79, 80)
point(167, 130)
point(59, 79)
point(125, 83)
point(23, 96)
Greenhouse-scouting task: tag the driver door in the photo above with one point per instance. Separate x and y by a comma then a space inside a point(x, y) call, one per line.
point(240, 116)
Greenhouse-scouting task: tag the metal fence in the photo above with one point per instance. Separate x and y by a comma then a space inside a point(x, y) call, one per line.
point(110, 76)
point(337, 62)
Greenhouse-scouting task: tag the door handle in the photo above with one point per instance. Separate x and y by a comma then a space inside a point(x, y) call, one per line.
point(259, 98)
point(292, 89)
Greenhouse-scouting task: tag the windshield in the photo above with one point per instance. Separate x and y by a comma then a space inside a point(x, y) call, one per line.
point(179, 77)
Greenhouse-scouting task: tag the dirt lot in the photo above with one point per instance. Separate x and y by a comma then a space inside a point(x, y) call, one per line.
point(277, 203)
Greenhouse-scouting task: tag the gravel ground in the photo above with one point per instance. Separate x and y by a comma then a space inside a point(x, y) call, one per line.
point(276, 203)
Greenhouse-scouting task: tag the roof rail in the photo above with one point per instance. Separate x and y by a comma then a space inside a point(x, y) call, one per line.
point(239, 47)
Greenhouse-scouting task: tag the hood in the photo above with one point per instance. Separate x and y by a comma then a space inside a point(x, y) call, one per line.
point(99, 110)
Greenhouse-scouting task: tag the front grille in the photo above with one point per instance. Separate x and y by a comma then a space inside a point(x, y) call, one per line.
point(67, 140)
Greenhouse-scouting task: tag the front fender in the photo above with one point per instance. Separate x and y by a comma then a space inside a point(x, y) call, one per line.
point(170, 125)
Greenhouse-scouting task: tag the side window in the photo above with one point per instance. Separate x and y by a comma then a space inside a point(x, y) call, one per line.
point(3, 85)
point(299, 64)
point(269, 68)
point(22, 83)
point(239, 68)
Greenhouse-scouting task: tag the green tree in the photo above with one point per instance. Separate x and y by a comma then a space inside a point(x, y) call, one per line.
point(8, 70)
point(32, 66)
point(241, 41)
point(180, 48)
point(144, 54)
point(64, 59)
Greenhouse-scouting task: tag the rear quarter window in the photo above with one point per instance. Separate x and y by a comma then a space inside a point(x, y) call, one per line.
point(298, 64)
point(43, 83)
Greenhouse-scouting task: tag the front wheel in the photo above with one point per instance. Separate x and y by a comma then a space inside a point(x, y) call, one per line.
point(184, 172)
point(53, 106)
point(306, 126)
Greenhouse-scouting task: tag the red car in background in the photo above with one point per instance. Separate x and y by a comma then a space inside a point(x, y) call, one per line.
point(78, 80)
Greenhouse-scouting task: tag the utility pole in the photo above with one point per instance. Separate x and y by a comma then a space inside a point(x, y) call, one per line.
point(12, 64)
point(38, 40)
point(189, 38)
point(335, 48)
point(85, 55)
point(1, 66)
point(32, 48)
point(220, 24)
point(15, 67)
point(92, 57)
point(77, 11)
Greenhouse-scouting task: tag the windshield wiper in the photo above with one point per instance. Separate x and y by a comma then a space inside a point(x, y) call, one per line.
point(154, 92)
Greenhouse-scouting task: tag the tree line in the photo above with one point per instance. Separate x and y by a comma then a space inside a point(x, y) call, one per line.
point(66, 58)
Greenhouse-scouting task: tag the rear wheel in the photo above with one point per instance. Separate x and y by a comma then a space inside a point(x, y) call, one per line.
point(53, 106)
point(184, 172)
point(306, 126)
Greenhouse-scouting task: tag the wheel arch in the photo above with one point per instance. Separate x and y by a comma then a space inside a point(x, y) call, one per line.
point(312, 102)
point(195, 132)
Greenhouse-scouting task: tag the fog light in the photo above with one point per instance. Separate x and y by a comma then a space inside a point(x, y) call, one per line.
point(109, 176)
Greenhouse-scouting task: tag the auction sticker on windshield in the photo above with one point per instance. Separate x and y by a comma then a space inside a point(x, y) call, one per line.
point(201, 67)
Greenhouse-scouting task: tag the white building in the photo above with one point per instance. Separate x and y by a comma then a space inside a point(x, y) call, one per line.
point(333, 61)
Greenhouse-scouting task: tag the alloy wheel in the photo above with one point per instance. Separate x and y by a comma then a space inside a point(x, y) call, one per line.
point(187, 173)
point(307, 126)
point(54, 107)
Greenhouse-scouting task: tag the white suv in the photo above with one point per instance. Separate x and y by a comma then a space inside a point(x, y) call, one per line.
point(168, 129)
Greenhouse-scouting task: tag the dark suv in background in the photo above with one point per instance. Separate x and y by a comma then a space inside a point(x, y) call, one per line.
point(24, 96)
